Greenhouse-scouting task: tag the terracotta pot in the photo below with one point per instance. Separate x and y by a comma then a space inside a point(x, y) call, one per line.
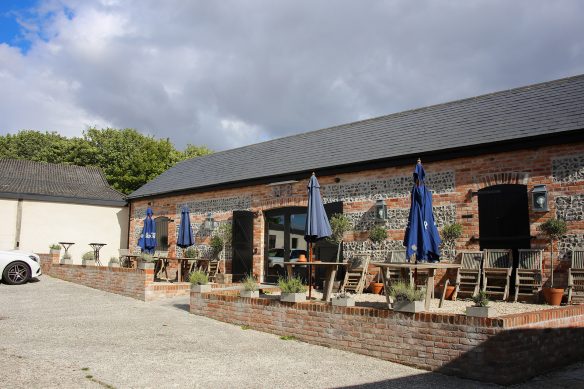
point(302, 258)
point(553, 296)
point(449, 292)
point(376, 287)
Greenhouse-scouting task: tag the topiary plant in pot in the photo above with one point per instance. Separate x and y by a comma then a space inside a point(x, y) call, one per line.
point(377, 235)
point(553, 229)
point(340, 224)
point(88, 259)
point(54, 248)
point(481, 307)
point(449, 234)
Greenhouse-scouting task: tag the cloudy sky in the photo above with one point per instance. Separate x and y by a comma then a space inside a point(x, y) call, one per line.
point(230, 73)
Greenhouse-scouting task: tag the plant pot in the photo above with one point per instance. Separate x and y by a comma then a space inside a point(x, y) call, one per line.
point(252, 294)
point(201, 288)
point(142, 265)
point(481, 311)
point(376, 287)
point(66, 261)
point(553, 296)
point(86, 262)
point(301, 258)
point(449, 292)
point(408, 306)
point(293, 297)
point(343, 302)
point(55, 251)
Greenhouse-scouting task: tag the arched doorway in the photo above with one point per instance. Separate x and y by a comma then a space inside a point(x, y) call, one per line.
point(504, 218)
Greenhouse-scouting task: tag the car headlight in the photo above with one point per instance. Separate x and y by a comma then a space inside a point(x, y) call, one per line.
point(33, 258)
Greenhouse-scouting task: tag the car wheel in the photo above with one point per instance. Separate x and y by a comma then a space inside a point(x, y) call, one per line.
point(16, 273)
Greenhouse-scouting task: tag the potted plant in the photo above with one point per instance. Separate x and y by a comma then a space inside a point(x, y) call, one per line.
point(406, 298)
point(54, 249)
point(293, 291)
point(340, 224)
point(449, 234)
point(88, 259)
point(553, 229)
point(114, 262)
point(199, 282)
point(191, 252)
point(377, 235)
point(146, 261)
point(66, 259)
point(343, 299)
point(481, 307)
point(250, 287)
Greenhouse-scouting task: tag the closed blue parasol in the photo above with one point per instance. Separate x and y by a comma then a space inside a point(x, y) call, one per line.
point(185, 232)
point(421, 237)
point(147, 241)
point(317, 224)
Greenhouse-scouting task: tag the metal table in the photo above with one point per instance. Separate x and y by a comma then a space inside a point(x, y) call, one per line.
point(96, 247)
point(66, 246)
point(429, 267)
point(331, 272)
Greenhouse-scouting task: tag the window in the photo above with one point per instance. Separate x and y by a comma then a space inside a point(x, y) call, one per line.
point(162, 233)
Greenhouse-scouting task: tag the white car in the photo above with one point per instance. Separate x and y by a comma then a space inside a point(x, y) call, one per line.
point(18, 267)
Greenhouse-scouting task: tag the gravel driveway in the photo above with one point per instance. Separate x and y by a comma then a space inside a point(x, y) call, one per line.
point(58, 334)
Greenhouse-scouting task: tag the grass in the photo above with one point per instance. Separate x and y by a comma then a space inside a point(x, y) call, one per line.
point(287, 337)
point(85, 369)
point(245, 327)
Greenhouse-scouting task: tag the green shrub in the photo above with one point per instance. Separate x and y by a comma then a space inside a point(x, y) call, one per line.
point(377, 234)
point(191, 252)
point(481, 299)
point(553, 228)
point(340, 224)
point(198, 278)
point(291, 285)
point(147, 257)
point(114, 260)
point(451, 232)
point(401, 291)
point(250, 284)
point(88, 256)
point(55, 246)
point(216, 244)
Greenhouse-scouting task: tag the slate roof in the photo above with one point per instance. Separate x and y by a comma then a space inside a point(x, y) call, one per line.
point(509, 116)
point(56, 182)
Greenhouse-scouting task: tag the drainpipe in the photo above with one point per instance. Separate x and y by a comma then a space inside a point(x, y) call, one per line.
point(18, 224)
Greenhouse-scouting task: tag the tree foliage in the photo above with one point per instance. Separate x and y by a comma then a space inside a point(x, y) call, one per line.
point(128, 158)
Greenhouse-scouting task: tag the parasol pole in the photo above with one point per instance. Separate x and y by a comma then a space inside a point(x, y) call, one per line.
point(309, 271)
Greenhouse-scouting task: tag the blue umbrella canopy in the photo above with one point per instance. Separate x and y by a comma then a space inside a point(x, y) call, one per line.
point(185, 232)
point(421, 237)
point(147, 241)
point(317, 225)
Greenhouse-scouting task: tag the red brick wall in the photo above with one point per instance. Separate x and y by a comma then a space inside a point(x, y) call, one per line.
point(470, 174)
point(503, 350)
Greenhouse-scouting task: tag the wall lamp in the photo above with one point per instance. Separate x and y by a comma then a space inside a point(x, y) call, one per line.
point(539, 198)
point(210, 224)
point(380, 210)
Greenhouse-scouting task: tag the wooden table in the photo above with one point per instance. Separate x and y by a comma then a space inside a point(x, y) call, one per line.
point(429, 267)
point(331, 272)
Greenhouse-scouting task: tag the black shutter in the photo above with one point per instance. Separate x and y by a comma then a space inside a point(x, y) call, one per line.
point(242, 242)
point(326, 251)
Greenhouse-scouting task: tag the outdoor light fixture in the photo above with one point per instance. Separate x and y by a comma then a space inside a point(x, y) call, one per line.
point(539, 196)
point(210, 223)
point(380, 210)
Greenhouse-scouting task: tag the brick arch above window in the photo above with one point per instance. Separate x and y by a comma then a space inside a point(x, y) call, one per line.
point(499, 178)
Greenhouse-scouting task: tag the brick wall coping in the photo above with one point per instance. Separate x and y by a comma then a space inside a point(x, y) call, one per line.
point(504, 322)
point(99, 268)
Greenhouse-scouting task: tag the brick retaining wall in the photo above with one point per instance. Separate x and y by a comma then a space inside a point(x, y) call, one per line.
point(502, 350)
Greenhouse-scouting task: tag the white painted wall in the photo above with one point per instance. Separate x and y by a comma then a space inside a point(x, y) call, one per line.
point(44, 223)
point(8, 209)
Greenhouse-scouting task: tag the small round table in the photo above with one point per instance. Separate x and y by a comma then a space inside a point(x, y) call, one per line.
point(66, 246)
point(96, 247)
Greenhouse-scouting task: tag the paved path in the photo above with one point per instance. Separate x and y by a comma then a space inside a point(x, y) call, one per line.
point(59, 334)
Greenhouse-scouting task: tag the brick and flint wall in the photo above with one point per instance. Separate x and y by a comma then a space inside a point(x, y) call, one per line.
point(559, 167)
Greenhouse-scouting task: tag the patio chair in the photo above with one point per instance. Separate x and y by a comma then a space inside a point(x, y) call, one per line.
point(213, 269)
point(162, 265)
point(124, 260)
point(528, 277)
point(468, 276)
point(396, 275)
point(355, 275)
point(497, 266)
point(576, 275)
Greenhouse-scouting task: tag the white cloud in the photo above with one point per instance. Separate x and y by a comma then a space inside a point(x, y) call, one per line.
point(228, 73)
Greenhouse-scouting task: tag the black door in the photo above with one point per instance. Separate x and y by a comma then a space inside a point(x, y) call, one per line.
point(504, 218)
point(242, 242)
point(161, 233)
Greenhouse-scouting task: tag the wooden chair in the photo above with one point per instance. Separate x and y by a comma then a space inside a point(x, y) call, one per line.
point(212, 269)
point(497, 267)
point(468, 276)
point(162, 265)
point(576, 275)
point(355, 275)
point(528, 275)
point(124, 260)
point(396, 275)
